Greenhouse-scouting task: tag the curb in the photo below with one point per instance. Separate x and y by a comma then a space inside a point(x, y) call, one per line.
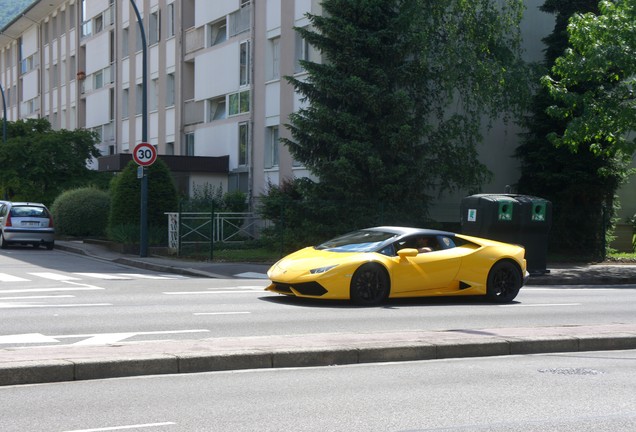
point(186, 357)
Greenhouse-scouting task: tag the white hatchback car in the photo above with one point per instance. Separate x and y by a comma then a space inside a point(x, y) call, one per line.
point(26, 223)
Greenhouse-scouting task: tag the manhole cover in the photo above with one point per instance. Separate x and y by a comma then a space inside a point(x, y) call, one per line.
point(571, 371)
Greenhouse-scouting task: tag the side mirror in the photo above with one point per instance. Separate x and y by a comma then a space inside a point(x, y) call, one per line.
point(407, 252)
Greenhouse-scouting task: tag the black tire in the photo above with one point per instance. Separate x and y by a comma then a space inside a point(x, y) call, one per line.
point(370, 285)
point(3, 243)
point(504, 282)
point(49, 246)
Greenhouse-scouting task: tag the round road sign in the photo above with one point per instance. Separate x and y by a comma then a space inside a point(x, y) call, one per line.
point(145, 154)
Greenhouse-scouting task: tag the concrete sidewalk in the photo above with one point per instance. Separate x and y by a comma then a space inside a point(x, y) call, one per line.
point(69, 362)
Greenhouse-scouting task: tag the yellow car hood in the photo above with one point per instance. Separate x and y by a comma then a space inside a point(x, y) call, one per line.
point(309, 258)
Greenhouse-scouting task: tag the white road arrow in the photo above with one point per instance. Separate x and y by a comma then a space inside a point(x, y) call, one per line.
point(29, 338)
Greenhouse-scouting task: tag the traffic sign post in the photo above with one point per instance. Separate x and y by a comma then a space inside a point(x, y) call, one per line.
point(144, 154)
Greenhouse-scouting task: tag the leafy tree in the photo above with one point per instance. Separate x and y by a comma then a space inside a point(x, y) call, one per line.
point(125, 208)
point(38, 163)
point(395, 108)
point(582, 183)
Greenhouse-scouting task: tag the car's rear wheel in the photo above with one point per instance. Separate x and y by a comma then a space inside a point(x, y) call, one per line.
point(3, 242)
point(49, 245)
point(370, 285)
point(504, 282)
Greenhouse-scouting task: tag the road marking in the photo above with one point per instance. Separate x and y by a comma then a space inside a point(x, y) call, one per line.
point(146, 276)
point(107, 276)
point(236, 291)
point(34, 290)
point(29, 338)
point(27, 306)
point(9, 278)
point(251, 275)
point(221, 313)
point(110, 338)
point(54, 276)
point(35, 297)
point(115, 428)
point(541, 305)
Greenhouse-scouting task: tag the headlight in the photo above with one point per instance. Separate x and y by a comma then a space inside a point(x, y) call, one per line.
point(322, 269)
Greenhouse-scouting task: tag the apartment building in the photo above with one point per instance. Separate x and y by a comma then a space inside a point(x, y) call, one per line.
point(217, 100)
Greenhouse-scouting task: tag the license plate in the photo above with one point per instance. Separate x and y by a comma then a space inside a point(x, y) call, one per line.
point(30, 223)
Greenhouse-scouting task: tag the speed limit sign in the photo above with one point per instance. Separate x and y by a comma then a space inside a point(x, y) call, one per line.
point(145, 154)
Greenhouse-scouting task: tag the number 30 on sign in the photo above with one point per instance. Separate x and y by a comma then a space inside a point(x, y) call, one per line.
point(145, 154)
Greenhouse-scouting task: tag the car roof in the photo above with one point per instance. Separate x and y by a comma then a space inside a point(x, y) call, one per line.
point(410, 230)
point(26, 203)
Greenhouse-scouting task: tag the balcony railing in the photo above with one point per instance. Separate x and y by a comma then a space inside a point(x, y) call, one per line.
point(193, 112)
point(194, 39)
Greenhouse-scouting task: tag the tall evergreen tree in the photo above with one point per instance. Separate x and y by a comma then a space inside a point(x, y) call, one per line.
point(581, 184)
point(395, 107)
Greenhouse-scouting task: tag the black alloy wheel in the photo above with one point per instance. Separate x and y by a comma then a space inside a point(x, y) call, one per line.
point(504, 282)
point(370, 285)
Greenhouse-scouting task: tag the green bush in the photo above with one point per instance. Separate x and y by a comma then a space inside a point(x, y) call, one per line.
point(126, 196)
point(81, 212)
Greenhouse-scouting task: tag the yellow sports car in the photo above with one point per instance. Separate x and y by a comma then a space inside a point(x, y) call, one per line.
point(370, 265)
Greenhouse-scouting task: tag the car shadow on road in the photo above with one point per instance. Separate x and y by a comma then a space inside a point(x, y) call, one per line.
point(389, 304)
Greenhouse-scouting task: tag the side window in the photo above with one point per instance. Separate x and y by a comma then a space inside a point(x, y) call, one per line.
point(446, 242)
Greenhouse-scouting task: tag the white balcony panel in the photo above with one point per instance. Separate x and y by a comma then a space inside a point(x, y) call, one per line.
point(171, 53)
point(153, 56)
point(97, 50)
point(219, 140)
point(95, 7)
point(217, 72)
point(30, 87)
point(30, 42)
point(170, 124)
point(98, 108)
point(272, 16)
point(208, 11)
point(125, 71)
point(125, 129)
point(301, 8)
point(153, 127)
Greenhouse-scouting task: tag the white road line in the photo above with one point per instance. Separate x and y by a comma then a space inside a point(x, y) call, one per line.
point(145, 276)
point(54, 276)
point(251, 275)
point(35, 290)
point(36, 297)
point(4, 277)
point(237, 291)
point(541, 305)
point(52, 306)
point(109, 338)
point(221, 313)
point(115, 428)
point(107, 276)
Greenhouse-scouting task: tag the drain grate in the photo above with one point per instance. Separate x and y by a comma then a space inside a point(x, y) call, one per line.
point(571, 371)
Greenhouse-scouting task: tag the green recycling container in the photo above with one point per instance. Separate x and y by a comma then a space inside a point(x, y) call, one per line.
point(511, 218)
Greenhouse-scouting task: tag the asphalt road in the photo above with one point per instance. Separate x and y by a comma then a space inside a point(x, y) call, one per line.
point(48, 299)
point(583, 392)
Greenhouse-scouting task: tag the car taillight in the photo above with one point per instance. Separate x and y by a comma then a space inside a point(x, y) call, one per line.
point(50, 221)
point(8, 220)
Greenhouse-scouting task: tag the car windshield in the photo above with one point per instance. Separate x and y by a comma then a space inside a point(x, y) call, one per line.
point(357, 241)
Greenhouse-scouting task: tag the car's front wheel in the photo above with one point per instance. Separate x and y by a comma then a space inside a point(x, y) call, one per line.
point(370, 285)
point(504, 282)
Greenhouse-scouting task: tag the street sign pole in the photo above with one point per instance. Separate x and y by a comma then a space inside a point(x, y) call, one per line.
point(143, 222)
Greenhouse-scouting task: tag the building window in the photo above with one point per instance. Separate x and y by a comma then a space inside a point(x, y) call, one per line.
point(125, 96)
point(216, 109)
point(98, 80)
point(139, 43)
point(242, 143)
point(138, 99)
point(170, 20)
point(245, 63)
point(273, 59)
point(188, 145)
point(271, 147)
point(240, 21)
point(170, 96)
point(124, 41)
point(99, 24)
point(153, 95)
point(239, 103)
point(302, 52)
point(154, 34)
point(217, 32)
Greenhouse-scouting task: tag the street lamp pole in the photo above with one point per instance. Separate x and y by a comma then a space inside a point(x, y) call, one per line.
point(4, 118)
point(143, 241)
